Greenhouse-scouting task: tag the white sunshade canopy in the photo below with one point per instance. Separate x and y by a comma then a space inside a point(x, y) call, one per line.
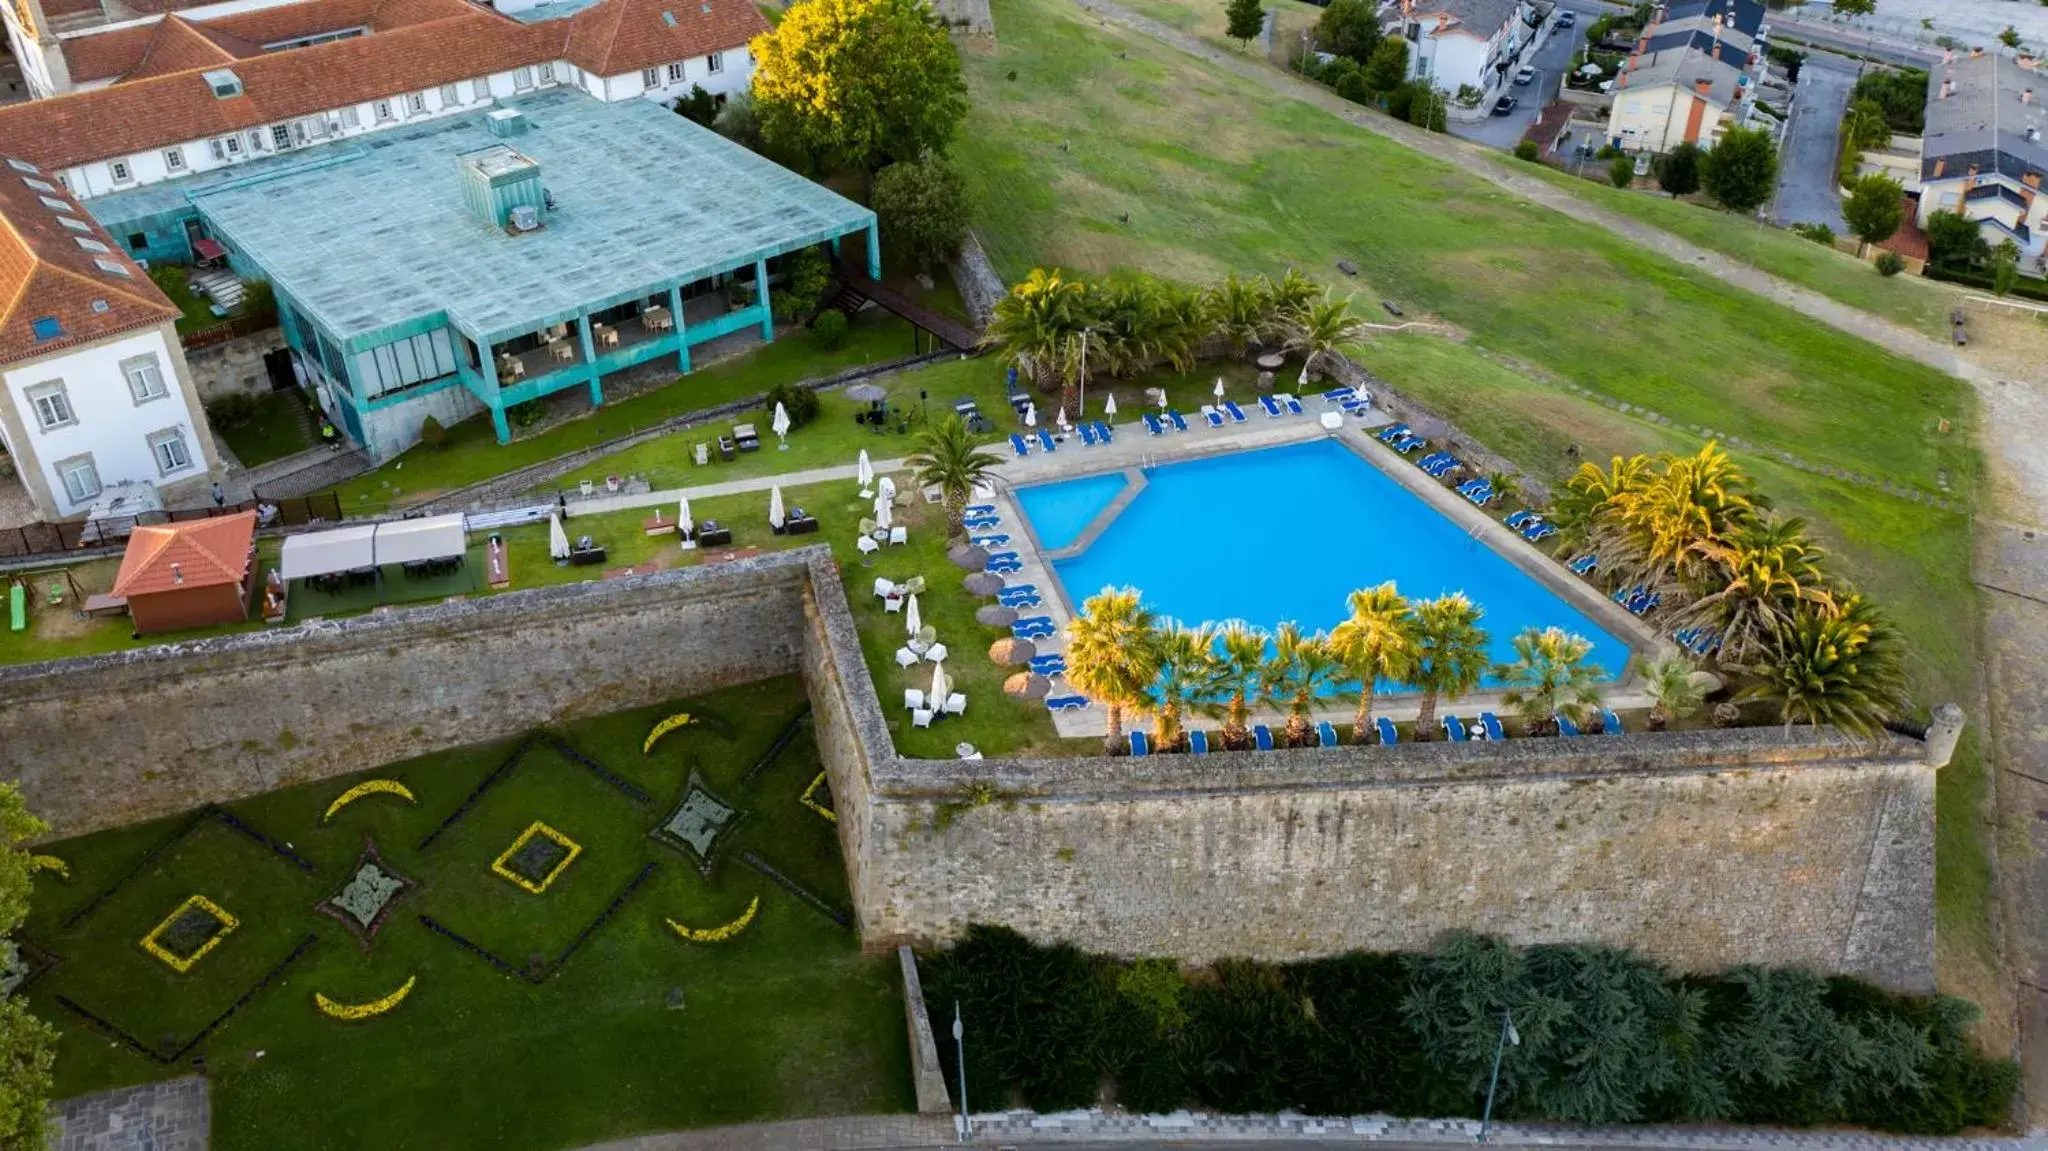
point(325, 553)
point(427, 538)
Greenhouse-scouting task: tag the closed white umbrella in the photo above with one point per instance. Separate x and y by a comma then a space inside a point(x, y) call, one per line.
point(775, 516)
point(864, 471)
point(1109, 405)
point(885, 515)
point(912, 622)
point(1303, 381)
point(558, 540)
point(886, 487)
point(1061, 419)
point(1219, 388)
point(780, 424)
point(684, 524)
point(1030, 414)
point(940, 687)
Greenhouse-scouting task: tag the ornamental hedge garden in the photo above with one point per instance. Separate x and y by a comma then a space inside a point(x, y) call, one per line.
point(1606, 1037)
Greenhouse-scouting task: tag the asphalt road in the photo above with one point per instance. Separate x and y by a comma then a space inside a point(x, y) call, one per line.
point(1806, 167)
point(1550, 62)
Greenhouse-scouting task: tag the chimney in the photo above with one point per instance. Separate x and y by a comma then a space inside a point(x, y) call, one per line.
point(177, 574)
point(2027, 97)
point(1948, 85)
point(1976, 52)
point(1948, 55)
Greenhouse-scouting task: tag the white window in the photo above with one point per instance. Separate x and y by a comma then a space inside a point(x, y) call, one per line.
point(416, 104)
point(649, 78)
point(675, 73)
point(174, 159)
point(715, 62)
point(482, 87)
point(522, 79)
point(81, 479)
point(120, 170)
point(52, 405)
point(351, 117)
point(90, 245)
point(168, 446)
point(547, 72)
point(382, 110)
point(145, 379)
point(451, 96)
point(281, 137)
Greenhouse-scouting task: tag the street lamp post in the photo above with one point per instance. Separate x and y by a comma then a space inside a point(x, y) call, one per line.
point(1081, 403)
point(1508, 1035)
point(960, 1053)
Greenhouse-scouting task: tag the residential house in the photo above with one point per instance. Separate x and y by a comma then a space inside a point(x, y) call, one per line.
point(94, 390)
point(1459, 44)
point(1691, 76)
point(196, 573)
point(1982, 155)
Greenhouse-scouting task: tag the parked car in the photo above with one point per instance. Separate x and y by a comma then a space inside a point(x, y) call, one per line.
point(1567, 19)
point(1504, 105)
point(1525, 76)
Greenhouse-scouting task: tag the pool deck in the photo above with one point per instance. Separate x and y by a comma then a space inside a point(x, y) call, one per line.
point(1134, 448)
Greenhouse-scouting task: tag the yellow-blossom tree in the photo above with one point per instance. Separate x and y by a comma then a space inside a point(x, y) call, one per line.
point(858, 83)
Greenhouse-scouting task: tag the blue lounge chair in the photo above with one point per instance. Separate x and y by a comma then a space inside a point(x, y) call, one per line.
point(1326, 734)
point(1065, 702)
point(1103, 432)
point(1236, 413)
point(1049, 665)
point(1388, 736)
point(1522, 519)
point(979, 509)
point(1041, 631)
point(1449, 465)
point(1032, 621)
point(1022, 602)
point(1566, 727)
point(1389, 435)
point(1262, 737)
point(1214, 417)
point(1539, 533)
point(1483, 496)
point(1271, 405)
point(978, 523)
point(1198, 742)
point(1610, 723)
point(1491, 723)
point(1469, 486)
point(1139, 744)
point(989, 541)
point(1293, 405)
point(1686, 636)
point(1339, 395)
point(1018, 589)
point(1153, 425)
point(1045, 440)
point(1006, 567)
point(1002, 555)
point(1585, 564)
point(1018, 445)
point(1431, 460)
point(1088, 434)
point(1455, 729)
point(1179, 422)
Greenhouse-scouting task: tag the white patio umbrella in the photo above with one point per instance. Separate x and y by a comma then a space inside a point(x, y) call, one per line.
point(886, 488)
point(775, 516)
point(1109, 405)
point(780, 425)
point(885, 515)
point(558, 540)
point(864, 471)
point(912, 622)
point(1218, 389)
point(1030, 414)
point(940, 687)
point(1061, 419)
point(1302, 383)
point(684, 524)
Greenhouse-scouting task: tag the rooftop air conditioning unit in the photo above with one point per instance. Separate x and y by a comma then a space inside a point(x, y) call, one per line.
point(524, 218)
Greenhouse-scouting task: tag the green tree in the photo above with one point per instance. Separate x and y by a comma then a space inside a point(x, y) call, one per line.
point(1621, 171)
point(1193, 678)
point(1867, 125)
point(699, 107)
point(2010, 37)
point(1955, 241)
point(1376, 641)
point(922, 207)
point(1243, 311)
point(1450, 654)
point(1855, 7)
point(1679, 174)
point(1426, 108)
point(1673, 694)
point(1874, 208)
point(1840, 667)
point(806, 275)
point(1550, 677)
point(1113, 655)
point(1301, 668)
point(859, 82)
point(27, 1044)
point(1037, 323)
point(947, 458)
point(1244, 20)
point(1243, 650)
point(1349, 28)
point(740, 122)
point(2005, 266)
point(1742, 169)
point(1322, 328)
point(1387, 68)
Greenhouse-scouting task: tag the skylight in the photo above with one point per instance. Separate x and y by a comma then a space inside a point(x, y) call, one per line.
point(224, 82)
point(46, 328)
point(669, 18)
point(57, 205)
point(39, 185)
point(106, 265)
point(22, 166)
point(90, 245)
point(99, 305)
point(74, 225)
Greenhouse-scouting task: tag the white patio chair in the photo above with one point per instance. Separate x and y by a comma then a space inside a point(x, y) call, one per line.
point(912, 699)
point(921, 718)
point(866, 545)
point(884, 588)
point(905, 657)
point(899, 534)
point(892, 603)
point(936, 653)
point(956, 704)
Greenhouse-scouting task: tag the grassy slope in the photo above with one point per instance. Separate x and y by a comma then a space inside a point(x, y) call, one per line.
point(786, 1019)
point(1218, 174)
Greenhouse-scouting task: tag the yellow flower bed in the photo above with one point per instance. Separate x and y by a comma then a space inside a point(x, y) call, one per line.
point(50, 863)
point(184, 964)
point(718, 934)
point(673, 722)
point(354, 1011)
point(368, 787)
point(809, 799)
point(574, 849)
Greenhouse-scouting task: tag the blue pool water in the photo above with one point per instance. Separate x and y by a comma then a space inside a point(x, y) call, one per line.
point(1287, 534)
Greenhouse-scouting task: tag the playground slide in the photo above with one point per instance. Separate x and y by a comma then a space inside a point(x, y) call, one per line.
point(17, 608)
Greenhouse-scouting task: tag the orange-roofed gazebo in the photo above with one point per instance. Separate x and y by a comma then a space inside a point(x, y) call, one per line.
point(186, 575)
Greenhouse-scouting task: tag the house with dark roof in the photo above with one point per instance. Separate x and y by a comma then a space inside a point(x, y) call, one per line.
point(1982, 155)
point(1457, 44)
point(1691, 76)
point(94, 390)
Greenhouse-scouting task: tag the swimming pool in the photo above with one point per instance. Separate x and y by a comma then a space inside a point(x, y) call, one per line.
point(1287, 534)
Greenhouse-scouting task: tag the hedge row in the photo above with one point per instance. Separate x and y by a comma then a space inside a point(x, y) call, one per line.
point(1606, 1037)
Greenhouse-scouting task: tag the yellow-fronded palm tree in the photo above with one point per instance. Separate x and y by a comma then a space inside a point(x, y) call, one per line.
point(1450, 654)
point(1842, 668)
point(1040, 324)
point(1550, 677)
point(1192, 678)
point(1698, 499)
point(1301, 668)
point(1585, 507)
point(947, 459)
point(1243, 650)
point(1765, 581)
point(1322, 327)
point(1377, 641)
point(1113, 655)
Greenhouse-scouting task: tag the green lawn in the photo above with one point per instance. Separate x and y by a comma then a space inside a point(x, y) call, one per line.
point(785, 1019)
point(195, 312)
point(280, 427)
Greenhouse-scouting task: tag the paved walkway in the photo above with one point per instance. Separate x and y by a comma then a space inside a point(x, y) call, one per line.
point(1806, 172)
point(667, 497)
point(173, 1115)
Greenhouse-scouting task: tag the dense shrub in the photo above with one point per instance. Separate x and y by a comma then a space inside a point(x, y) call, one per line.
point(433, 434)
point(1606, 1037)
point(801, 403)
point(830, 328)
point(231, 411)
point(1890, 264)
point(1526, 150)
point(1902, 94)
point(806, 275)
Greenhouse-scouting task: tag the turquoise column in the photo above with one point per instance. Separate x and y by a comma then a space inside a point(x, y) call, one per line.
point(675, 312)
point(589, 357)
point(497, 400)
point(834, 241)
point(767, 314)
point(874, 251)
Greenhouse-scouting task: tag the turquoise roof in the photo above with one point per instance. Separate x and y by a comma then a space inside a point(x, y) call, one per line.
point(373, 233)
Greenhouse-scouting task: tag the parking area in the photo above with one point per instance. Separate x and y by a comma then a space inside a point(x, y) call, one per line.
point(1548, 62)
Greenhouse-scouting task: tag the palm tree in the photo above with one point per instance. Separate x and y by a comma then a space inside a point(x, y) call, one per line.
point(1137, 323)
point(1586, 505)
point(1768, 580)
point(1301, 668)
point(1697, 500)
point(1550, 677)
point(1450, 654)
point(948, 459)
point(1193, 678)
point(1673, 694)
point(1113, 655)
point(1377, 642)
point(1244, 658)
point(1242, 310)
point(1505, 486)
point(1038, 323)
point(1188, 321)
point(1289, 294)
point(1842, 668)
point(1320, 327)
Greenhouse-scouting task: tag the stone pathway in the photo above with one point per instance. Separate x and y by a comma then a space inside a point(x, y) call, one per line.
point(173, 1115)
point(853, 1133)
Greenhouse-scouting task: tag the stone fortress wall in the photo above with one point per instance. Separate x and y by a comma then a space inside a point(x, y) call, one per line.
point(1703, 849)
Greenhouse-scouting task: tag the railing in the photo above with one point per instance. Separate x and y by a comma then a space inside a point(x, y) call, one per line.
point(56, 539)
point(224, 331)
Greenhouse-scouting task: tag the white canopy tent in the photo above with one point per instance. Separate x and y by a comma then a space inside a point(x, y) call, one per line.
point(428, 538)
point(327, 553)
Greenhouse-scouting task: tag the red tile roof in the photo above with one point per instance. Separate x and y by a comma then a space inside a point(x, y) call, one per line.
point(619, 36)
point(105, 55)
point(45, 273)
point(179, 46)
point(193, 554)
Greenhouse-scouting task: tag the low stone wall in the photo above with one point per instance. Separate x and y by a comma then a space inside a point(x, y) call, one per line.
point(928, 1077)
point(975, 275)
point(233, 367)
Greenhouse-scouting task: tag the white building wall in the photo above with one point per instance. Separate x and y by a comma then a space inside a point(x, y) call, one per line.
point(107, 423)
point(391, 430)
point(735, 74)
point(1453, 59)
